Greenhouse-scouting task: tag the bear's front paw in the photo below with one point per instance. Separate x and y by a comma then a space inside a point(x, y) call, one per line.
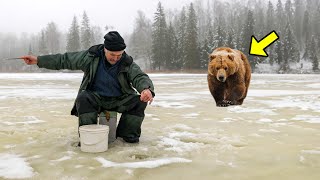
point(231, 103)
point(222, 104)
point(227, 102)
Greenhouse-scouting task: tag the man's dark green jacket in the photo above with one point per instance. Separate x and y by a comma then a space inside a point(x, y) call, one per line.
point(130, 75)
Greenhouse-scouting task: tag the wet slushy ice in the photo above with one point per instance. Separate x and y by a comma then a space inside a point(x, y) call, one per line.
point(273, 135)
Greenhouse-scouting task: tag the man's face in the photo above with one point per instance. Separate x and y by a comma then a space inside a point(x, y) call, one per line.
point(113, 56)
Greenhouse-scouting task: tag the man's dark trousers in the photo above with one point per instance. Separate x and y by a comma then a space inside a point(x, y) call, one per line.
point(89, 104)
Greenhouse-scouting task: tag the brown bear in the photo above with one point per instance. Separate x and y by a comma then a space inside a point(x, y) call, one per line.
point(229, 75)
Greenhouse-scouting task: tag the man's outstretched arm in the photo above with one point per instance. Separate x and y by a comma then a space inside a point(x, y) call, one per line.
point(72, 61)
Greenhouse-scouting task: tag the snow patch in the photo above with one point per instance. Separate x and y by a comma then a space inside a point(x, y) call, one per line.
point(264, 120)
point(269, 130)
point(307, 118)
point(190, 115)
point(30, 120)
point(311, 151)
point(238, 109)
point(143, 164)
point(175, 105)
point(12, 166)
point(176, 145)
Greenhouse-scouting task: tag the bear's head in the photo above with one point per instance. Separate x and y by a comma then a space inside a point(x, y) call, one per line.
point(222, 66)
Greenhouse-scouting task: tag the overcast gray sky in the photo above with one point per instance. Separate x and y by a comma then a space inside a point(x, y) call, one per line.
point(33, 15)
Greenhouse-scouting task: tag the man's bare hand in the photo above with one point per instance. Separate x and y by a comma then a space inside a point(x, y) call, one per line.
point(29, 59)
point(146, 96)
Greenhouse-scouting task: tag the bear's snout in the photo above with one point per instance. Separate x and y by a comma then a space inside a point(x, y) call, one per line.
point(221, 76)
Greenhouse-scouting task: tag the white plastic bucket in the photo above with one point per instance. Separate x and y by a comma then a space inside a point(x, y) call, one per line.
point(94, 138)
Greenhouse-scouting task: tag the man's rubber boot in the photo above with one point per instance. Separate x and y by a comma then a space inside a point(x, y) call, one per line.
point(129, 128)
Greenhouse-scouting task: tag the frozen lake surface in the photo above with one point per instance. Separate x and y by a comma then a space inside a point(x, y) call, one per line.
point(275, 134)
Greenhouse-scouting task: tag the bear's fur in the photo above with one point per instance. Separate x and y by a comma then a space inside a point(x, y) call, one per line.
point(229, 75)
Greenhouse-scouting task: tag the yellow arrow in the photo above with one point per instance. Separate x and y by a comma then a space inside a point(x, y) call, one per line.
point(257, 47)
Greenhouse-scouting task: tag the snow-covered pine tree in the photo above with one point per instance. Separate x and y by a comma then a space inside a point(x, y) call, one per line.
point(140, 43)
point(270, 22)
point(192, 53)
point(218, 38)
point(210, 39)
point(317, 28)
point(247, 33)
point(306, 35)
point(230, 39)
point(313, 55)
point(270, 26)
point(298, 15)
point(43, 49)
point(278, 52)
point(96, 35)
point(290, 49)
point(204, 54)
point(171, 48)
point(85, 32)
point(181, 37)
point(52, 38)
point(289, 12)
point(159, 33)
point(280, 18)
point(73, 37)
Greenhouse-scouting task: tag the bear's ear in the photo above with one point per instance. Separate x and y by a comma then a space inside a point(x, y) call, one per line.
point(243, 57)
point(211, 57)
point(231, 57)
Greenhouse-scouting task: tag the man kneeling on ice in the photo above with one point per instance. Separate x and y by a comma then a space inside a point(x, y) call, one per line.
point(109, 83)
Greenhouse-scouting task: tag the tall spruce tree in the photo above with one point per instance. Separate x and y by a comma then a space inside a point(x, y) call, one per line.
point(52, 38)
point(171, 48)
point(30, 52)
point(96, 35)
point(207, 44)
point(278, 52)
point(181, 36)
point(43, 49)
point(313, 57)
point(205, 50)
point(287, 46)
point(289, 12)
point(219, 37)
point(175, 54)
point(204, 53)
point(230, 39)
point(280, 18)
point(306, 35)
point(239, 37)
point(192, 55)
point(73, 37)
point(247, 34)
point(270, 26)
point(209, 26)
point(85, 32)
point(210, 39)
point(271, 57)
point(298, 15)
point(317, 30)
point(290, 49)
point(159, 34)
point(140, 44)
point(311, 7)
point(260, 19)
